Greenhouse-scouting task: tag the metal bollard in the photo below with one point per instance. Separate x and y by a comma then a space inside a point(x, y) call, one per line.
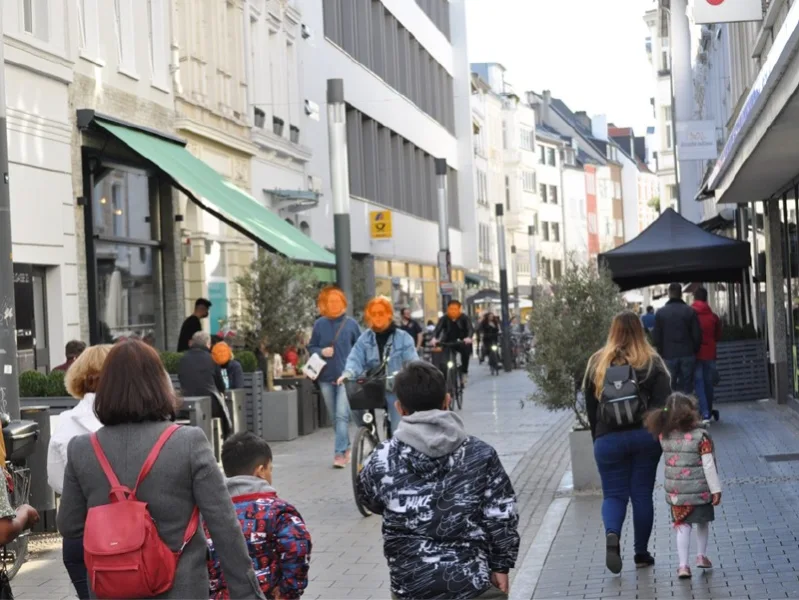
point(197, 410)
point(236, 401)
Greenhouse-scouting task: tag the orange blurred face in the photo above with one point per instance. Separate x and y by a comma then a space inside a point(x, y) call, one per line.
point(332, 303)
point(453, 311)
point(380, 315)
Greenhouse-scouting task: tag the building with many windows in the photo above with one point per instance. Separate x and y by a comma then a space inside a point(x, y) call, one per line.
point(407, 86)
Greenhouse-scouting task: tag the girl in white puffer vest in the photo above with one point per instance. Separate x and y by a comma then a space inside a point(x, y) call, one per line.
point(692, 482)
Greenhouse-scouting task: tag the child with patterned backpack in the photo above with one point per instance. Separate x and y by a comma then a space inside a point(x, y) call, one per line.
point(692, 482)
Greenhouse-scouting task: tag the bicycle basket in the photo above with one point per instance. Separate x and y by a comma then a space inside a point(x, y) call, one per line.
point(367, 393)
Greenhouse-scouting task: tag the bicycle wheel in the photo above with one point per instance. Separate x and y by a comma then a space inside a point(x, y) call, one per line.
point(15, 553)
point(365, 444)
point(459, 389)
point(452, 387)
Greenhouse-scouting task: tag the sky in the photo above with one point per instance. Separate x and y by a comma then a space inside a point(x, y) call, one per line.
point(588, 55)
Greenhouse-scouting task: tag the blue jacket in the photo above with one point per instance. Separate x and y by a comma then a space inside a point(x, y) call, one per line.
point(365, 354)
point(324, 332)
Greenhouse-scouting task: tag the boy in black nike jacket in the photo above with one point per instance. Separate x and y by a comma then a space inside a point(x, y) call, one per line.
point(448, 506)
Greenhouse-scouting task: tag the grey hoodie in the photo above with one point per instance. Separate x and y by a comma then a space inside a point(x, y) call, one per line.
point(247, 484)
point(435, 433)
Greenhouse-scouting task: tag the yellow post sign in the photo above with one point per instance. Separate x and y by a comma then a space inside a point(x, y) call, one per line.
point(380, 223)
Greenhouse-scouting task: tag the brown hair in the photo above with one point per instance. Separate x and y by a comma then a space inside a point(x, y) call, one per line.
point(84, 375)
point(134, 387)
point(679, 414)
point(626, 345)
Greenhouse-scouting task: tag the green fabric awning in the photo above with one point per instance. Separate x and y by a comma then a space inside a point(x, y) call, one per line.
point(213, 193)
point(325, 275)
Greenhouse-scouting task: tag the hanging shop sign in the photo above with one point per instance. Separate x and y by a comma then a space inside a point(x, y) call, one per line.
point(380, 224)
point(696, 140)
point(727, 11)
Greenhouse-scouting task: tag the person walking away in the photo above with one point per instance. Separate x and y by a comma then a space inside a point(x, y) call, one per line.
point(456, 327)
point(625, 374)
point(72, 351)
point(193, 324)
point(692, 482)
point(411, 327)
point(135, 404)
point(705, 373)
point(282, 556)
point(81, 382)
point(677, 337)
point(648, 320)
point(382, 343)
point(333, 337)
point(199, 375)
point(232, 373)
point(450, 524)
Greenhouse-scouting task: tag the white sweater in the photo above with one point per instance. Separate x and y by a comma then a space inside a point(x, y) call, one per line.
point(71, 423)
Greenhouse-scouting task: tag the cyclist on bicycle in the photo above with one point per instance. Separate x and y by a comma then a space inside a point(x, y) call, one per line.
point(452, 328)
point(369, 351)
point(489, 332)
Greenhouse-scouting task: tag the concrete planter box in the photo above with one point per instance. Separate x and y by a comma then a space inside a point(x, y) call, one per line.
point(280, 416)
point(585, 474)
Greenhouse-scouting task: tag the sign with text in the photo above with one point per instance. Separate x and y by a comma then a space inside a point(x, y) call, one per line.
point(380, 224)
point(696, 140)
point(727, 11)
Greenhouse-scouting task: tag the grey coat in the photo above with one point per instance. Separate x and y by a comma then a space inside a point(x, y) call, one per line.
point(184, 475)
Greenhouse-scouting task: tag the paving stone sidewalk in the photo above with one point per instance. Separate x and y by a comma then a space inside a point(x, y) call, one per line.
point(347, 559)
point(753, 541)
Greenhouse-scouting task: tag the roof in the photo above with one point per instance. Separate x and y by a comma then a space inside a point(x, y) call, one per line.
point(560, 107)
point(642, 166)
point(545, 131)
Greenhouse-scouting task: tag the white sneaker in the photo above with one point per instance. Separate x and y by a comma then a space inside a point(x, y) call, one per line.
point(706, 423)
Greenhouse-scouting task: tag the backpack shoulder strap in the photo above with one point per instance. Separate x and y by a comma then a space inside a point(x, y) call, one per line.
point(118, 490)
point(153, 456)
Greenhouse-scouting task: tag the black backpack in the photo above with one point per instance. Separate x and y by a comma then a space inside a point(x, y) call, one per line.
point(622, 403)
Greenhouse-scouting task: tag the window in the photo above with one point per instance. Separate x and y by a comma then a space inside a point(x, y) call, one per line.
point(507, 192)
point(438, 11)
point(542, 155)
point(669, 141)
point(482, 188)
point(543, 193)
point(557, 270)
point(125, 36)
point(664, 27)
point(545, 231)
point(504, 135)
point(34, 18)
point(527, 140)
point(671, 192)
point(553, 194)
point(528, 181)
point(555, 229)
point(27, 16)
point(551, 157)
point(159, 49)
point(592, 224)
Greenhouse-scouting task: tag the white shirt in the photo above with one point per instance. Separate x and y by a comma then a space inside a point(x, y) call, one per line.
point(77, 421)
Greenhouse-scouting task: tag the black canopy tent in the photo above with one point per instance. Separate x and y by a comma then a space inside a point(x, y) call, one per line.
point(674, 249)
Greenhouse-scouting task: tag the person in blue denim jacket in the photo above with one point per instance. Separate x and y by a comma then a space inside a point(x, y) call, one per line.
point(368, 350)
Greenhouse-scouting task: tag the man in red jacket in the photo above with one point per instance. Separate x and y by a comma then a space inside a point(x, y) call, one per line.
point(706, 357)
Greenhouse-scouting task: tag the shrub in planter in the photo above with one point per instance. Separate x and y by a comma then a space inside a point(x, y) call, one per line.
point(570, 325)
point(249, 364)
point(32, 384)
point(54, 386)
point(171, 361)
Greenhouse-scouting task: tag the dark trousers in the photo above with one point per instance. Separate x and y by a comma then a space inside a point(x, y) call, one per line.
point(682, 374)
point(72, 552)
point(628, 463)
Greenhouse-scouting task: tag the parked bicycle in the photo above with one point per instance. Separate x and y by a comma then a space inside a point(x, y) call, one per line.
point(20, 440)
point(366, 395)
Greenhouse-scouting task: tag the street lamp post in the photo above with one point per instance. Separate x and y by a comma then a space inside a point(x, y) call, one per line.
point(340, 183)
point(9, 386)
point(444, 261)
point(503, 288)
point(533, 262)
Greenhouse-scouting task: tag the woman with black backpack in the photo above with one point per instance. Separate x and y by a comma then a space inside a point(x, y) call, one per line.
point(624, 379)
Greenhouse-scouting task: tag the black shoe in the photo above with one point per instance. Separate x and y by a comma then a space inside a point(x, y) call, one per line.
point(613, 556)
point(643, 561)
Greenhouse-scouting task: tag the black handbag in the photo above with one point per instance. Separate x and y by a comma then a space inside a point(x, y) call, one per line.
point(368, 392)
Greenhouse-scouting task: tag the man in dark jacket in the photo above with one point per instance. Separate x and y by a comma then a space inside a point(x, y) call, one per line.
point(677, 337)
point(705, 372)
point(193, 324)
point(199, 375)
point(449, 508)
point(456, 327)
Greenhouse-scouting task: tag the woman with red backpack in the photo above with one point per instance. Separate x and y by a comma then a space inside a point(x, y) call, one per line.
point(134, 491)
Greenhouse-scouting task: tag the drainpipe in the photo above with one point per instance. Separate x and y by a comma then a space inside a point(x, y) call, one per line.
point(249, 73)
point(175, 50)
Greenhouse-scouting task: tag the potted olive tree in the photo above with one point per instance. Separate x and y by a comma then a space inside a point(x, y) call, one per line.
point(570, 324)
point(278, 304)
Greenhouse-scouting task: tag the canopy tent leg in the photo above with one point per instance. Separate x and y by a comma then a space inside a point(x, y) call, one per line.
point(775, 301)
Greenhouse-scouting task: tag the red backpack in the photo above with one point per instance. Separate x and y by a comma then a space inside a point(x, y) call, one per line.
point(124, 555)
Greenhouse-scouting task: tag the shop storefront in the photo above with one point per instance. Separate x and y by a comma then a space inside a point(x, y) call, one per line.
point(415, 286)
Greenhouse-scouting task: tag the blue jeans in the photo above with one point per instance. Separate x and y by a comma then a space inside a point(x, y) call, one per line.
point(628, 463)
point(338, 409)
point(703, 378)
point(682, 374)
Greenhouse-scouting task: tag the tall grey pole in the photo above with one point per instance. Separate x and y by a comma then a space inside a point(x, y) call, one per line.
point(514, 266)
point(444, 261)
point(340, 182)
point(503, 289)
point(533, 261)
point(9, 387)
